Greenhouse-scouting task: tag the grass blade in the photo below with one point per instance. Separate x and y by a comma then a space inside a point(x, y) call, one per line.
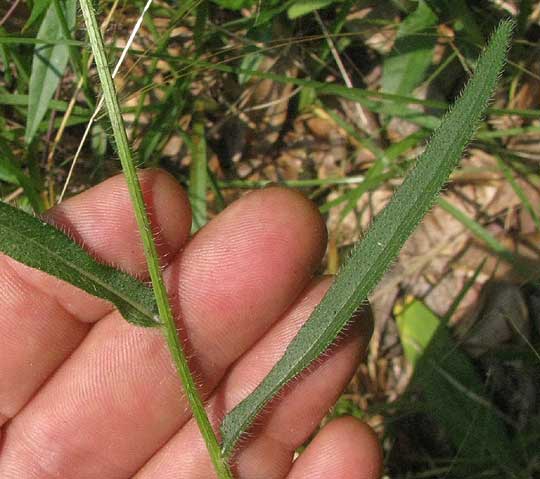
point(371, 257)
point(198, 177)
point(454, 393)
point(34, 243)
point(462, 293)
point(48, 66)
point(518, 190)
point(520, 264)
point(372, 99)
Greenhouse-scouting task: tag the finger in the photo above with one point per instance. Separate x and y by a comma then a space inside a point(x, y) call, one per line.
point(292, 417)
point(39, 314)
point(118, 399)
point(268, 449)
point(345, 449)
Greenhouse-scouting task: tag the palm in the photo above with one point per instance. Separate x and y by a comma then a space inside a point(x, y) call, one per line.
point(83, 394)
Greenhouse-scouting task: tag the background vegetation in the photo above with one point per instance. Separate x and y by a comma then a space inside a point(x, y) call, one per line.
point(335, 98)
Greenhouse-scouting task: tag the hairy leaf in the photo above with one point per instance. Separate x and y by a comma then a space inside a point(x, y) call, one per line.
point(37, 244)
point(373, 255)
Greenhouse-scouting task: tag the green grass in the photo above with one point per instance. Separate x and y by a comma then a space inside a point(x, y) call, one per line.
point(186, 83)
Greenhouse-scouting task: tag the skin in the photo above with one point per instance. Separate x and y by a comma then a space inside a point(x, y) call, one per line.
point(83, 394)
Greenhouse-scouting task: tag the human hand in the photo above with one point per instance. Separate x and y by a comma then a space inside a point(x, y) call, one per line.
point(84, 394)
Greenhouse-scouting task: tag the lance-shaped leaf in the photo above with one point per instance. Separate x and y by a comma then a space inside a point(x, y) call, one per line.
point(405, 68)
point(48, 65)
point(373, 255)
point(37, 244)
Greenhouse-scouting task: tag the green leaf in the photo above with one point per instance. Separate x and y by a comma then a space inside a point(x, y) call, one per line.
point(454, 392)
point(234, 4)
point(48, 66)
point(20, 40)
point(37, 244)
point(251, 61)
point(406, 67)
point(4, 58)
point(98, 140)
point(169, 111)
point(303, 7)
point(23, 100)
point(198, 177)
point(373, 255)
point(38, 9)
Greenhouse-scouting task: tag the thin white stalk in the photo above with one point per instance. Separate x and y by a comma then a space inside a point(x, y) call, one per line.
point(117, 67)
point(341, 67)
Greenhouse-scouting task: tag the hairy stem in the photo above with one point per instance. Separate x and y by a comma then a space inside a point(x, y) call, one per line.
point(162, 300)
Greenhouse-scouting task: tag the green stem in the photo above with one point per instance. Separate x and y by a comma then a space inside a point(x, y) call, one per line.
point(150, 250)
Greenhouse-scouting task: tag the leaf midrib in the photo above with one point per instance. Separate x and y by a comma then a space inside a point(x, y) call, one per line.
point(137, 306)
